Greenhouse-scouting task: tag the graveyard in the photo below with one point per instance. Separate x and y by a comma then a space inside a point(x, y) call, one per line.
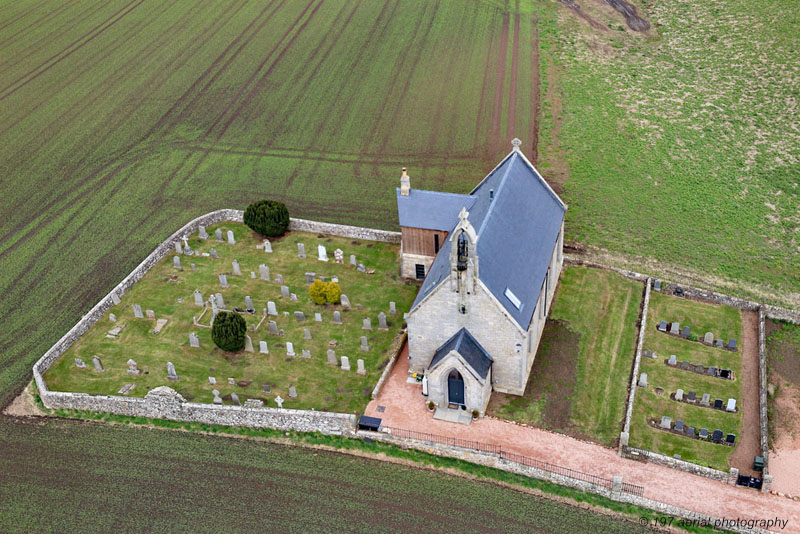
point(689, 371)
point(584, 359)
point(298, 354)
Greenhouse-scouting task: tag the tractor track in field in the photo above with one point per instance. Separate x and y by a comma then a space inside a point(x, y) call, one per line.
point(582, 14)
point(300, 94)
point(500, 73)
point(487, 72)
point(53, 13)
point(255, 87)
point(118, 163)
point(71, 49)
point(536, 87)
point(512, 91)
point(375, 32)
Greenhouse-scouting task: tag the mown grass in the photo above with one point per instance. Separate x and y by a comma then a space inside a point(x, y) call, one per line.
point(601, 307)
point(168, 292)
point(725, 322)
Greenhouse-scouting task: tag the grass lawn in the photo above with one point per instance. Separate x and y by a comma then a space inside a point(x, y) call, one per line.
point(578, 381)
point(168, 292)
point(725, 322)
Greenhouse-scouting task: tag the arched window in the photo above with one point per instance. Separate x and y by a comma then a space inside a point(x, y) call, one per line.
point(463, 252)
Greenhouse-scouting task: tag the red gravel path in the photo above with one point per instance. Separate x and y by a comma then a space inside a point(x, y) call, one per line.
point(405, 408)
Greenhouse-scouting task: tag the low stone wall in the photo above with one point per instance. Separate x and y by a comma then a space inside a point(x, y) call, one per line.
point(396, 349)
point(680, 465)
point(160, 403)
point(356, 232)
point(626, 429)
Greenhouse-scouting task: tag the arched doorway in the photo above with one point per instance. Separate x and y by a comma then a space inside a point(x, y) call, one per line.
point(455, 388)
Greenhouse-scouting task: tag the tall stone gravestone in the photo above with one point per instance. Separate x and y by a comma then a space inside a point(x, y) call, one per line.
point(235, 399)
point(248, 344)
point(267, 246)
point(178, 248)
point(366, 324)
point(392, 307)
point(171, 374)
point(285, 291)
point(262, 347)
point(220, 301)
point(176, 262)
point(133, 369)
point(382, 321)
point(317, 317)
point(112, 317)
point(237, 270)
point(353, 262)
point(290, 349)
point(643, 380)
point(292, 392)
point(708, 338)
point(248, 303)
point(231, 240)
point(137, 311)
point(218, 234)
point(223, 281)
point(217, 398)
point(198, 298)
point(301, 250)
point(271, 308)
point(332, 357)
point(202, 234)
point(300, 316)
point(273, 328)
point(306, 354)
point(213, 253)
point(345, 363)
point(322, 253)
point(337, 317)
point(360, 369)
point(306, 333)
point(364, 343)
point(310, 278)
point(345, 301)
point(194, 340)
point(263, 272)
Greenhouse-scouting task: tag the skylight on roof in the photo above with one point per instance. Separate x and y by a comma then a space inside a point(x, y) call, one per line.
point(513, 298)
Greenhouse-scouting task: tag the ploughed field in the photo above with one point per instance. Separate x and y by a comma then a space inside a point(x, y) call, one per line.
point(649, 406)
point(169, 292)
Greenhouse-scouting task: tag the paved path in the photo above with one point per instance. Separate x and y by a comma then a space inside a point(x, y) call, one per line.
point(405, 408)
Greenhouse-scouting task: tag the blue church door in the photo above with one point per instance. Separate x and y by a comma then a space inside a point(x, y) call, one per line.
point(455, 388)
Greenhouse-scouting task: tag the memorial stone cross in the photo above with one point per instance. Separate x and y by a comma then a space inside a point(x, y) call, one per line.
point(217, 398)
point(279, 401)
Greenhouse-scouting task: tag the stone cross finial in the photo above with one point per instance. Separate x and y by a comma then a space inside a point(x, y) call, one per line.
point(463, 214)
point(516, 143)
point(185, 241)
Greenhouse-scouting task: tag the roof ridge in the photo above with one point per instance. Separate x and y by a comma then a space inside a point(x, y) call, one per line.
point(492, 204)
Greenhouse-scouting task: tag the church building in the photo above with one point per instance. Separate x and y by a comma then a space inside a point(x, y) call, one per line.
point(490, 262)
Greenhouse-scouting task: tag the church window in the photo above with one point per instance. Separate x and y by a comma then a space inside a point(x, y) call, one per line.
point(436, 243)
point(463, 252)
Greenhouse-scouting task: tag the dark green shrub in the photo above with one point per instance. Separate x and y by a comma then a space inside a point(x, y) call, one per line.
point(267, 217)
point(228, 331)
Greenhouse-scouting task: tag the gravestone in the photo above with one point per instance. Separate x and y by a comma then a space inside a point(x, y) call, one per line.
point(338, 255)
point(643, 380)
point(194, 341)
point(290, 349)
point(150, 314)
point(731, 406)
point(271, 309)
point(306, 333)
point(267, 246)
point(662, 326)
point(176, 262)
point(382, 321)
point(248, 303)
point(262, 347)
point(657, 284)
point(218, 234)
point(332, 357)
point(266, 388)
point(718, 343)
point(666, 422)
point(285, 291)
point(345, 300)
point(300, 316)
point(279, 401)
point(223, 281)
point(231, 240)
point(248, 344)
point(345, 363)
point(235, 399)
point(254, 403)
point(220, 301)
point(361, 268)
point(171, 374)
point(273, 328)
point(708, 338)
point(731, 344)
point(292, 392)
point(79, 363)
point(214, 308)
point(160, 324)
point(213, 253)
point(679, 395)
point(706, 400)
point(306, 354)
point(730, 439)
point(337, 317)
point(353, 260)
point(301, 250)
point(322, 254)
point(198, 298)
point(673, 360)
point(364, 344)
point(674, 328)
point(692, 396)
point(392, 307)
point(133, 369)
point(648, 354)
point(115, 298)
point(202, 233)
point(685, 365)
point(360, 369)
point(716, 437)
point(310, 278)
point(366, 324)
point(703, 433)
point(293, 297)
point(126, 388)
point(278, 278)
point(212, 380)
point(317, 317)
point(690, 431)
point(178, 248)
point(711, 371)
point(231, 381)
point(717, 404)
point(237, 270)
point(685, 332)
point(679, 426)
point(112, 317)
point(193, 266)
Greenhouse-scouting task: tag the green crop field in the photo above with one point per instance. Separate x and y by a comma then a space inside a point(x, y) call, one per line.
point(168, 292)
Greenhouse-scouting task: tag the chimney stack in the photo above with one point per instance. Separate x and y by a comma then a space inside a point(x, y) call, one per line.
point(405, 183)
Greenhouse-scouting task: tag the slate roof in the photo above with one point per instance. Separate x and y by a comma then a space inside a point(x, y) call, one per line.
point(469, 348)
point(430, 210)
point(517, 230)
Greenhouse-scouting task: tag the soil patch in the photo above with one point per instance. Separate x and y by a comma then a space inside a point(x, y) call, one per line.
point(632, 18)
point(548, 395)
point(783, 356)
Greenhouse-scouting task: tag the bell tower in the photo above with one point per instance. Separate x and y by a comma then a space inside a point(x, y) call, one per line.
point(463, 260)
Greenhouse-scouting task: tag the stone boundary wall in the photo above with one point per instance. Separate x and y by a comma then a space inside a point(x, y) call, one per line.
point(762, 397)
point(626, 429)
point(397, 348)
point(155, 406)
point(494, 460)
point(356, 232)
point(680, 465)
